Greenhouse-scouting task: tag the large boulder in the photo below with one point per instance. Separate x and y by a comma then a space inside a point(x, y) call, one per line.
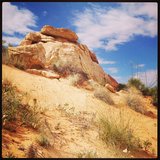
point(28, 56)
point(59, 32)
point(33, 36)
point(70, 56)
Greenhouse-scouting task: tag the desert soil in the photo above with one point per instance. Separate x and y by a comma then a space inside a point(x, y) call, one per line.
point(71, 116)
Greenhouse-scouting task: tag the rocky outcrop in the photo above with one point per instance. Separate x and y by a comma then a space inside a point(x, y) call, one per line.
point(28, 56)
point(25, 42)
point(47, 74)
point(54, 48)
point(34, 37)
point(113, 82)
point(110, 88)
point(93, 57)
point(59, 32)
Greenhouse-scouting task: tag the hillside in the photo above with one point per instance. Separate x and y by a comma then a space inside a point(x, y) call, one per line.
point(59, 102)
point(72, 114)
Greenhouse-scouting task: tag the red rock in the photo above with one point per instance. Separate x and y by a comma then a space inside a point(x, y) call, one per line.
point(25, 42)
point(51, 50)
point(93, 57)
point(59, 32)
point(111, 81)
point(33, 36)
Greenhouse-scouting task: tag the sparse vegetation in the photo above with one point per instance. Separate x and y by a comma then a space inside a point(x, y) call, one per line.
point(135, 103)
point(32, 151)
point(118, 132)
point(13, 110)
point(10, 155)
point(136, 83)
point(66, 71)
point(147, 144)
point(43, 141)
point(153, 92)
point(30, 115)
point(103, 95)
point(10, 102)
point(146, 91)
point(89, 154)
point(121, 87)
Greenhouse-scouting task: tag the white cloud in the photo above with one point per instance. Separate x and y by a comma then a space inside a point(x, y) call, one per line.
point(106, 28)
point(102, 61)
point(15, 20)
point(149, 77)
point(113, 69)
point(12, 40)
point(139, 66)
point(45, 13)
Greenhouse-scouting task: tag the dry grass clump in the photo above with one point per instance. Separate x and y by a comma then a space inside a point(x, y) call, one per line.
point(10, 155)
point(10, 102)
point(88, 154)
point(118, 130)
point(32, 151)
point(43, 141)
point(65, 71)
point(135, 102)
point(103, 95)
point(12, 108)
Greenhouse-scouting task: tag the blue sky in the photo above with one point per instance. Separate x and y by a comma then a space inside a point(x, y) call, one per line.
point(122, 35)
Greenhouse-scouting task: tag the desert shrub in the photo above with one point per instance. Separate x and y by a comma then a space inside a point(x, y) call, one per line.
point(10, 101)
point(30, 116)
point(146, 91)
point(121, 87)
point(43, 141)
point(147, 144)
point(67, 70)
point(32, 151)
point(88, 154)
point(135, 102)
point(10, 155)
point(153, 92)
point(12, 109)
point(118, 131)
point(5, 55)
point(136, 83)
point(103, 95)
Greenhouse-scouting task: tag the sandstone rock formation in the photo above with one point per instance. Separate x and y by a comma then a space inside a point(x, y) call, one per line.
point(58, 48)
point(112, 81)
point(109, 87)
point(59, 32)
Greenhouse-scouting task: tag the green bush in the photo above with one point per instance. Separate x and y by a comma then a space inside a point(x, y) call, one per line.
point(136, 83)
point(121, 87)
point(146, 91)
point(153, 92)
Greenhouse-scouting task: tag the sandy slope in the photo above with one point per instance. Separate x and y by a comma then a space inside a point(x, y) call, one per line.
point(76, 110)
